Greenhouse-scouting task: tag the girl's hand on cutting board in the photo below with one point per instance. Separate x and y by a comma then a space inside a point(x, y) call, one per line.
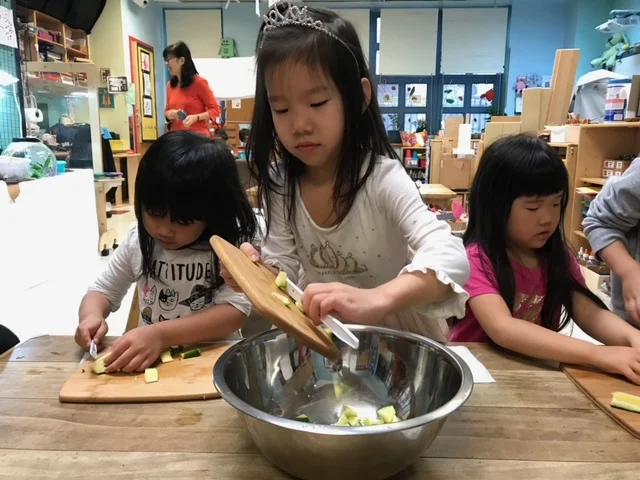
point(135, 350)
point(350, 304)
point(90, 328)
point(250, 251)
point(619, 360)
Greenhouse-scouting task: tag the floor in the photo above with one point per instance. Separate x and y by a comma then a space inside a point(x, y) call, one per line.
point(52, 307)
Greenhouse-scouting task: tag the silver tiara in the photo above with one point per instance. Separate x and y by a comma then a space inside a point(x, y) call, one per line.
point(293, 15)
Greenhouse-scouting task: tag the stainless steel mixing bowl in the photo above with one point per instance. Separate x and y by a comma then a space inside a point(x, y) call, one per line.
point(270, 379)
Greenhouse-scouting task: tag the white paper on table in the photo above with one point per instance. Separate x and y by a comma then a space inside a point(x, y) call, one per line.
point(7, 28)
point(478, 370)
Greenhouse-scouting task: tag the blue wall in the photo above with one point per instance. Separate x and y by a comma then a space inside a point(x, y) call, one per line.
point(538, 28)
point(10, 126)
point(241, 23)
point(590, 14)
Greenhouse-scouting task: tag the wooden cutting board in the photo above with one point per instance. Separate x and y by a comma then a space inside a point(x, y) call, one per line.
point(258, 284)
point(190, 379)
point(599, 388)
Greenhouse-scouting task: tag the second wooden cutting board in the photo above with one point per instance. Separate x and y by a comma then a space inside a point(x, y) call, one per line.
point(190, 379)
point(599, 387)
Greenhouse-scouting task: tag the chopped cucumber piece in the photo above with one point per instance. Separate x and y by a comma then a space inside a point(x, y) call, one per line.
point(176, 349)
point(626, 401)
point(339, 389)
point(343, 421)
point(151, 375)
point(281, 280)
point(354, 422)
point(191, 353)
point(302, 418)
point(285, 300)
point(166, 357)
point(299, 306)
point(368, 422)
point(98, 366)
point(387, 414)
point(349, 412)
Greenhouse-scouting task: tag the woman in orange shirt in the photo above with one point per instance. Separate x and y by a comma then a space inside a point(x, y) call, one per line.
point(188, 92)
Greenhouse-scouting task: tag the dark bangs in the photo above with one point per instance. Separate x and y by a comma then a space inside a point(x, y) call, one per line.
point(189, 178)
point(537, 171)
point(342, 61)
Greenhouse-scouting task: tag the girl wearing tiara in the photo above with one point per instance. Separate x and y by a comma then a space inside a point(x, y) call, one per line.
point(339, 205)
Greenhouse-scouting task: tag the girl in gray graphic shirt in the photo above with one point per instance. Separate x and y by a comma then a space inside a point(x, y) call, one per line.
point(187, 190)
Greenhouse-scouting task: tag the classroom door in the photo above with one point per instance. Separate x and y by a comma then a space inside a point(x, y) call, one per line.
point(143, 72)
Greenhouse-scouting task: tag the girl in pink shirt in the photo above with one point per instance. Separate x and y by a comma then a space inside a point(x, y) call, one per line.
point(522, 272)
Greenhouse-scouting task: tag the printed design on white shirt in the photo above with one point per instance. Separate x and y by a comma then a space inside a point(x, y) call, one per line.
point(200, 297)
point(329, 262)
point(168, 299)
point(149, 294)
point(164, 319)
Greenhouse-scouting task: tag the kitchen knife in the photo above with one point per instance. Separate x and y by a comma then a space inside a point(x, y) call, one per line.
point(93, 350)
point(332, 323)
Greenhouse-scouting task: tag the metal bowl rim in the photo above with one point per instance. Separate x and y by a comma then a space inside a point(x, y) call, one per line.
point(463, 394)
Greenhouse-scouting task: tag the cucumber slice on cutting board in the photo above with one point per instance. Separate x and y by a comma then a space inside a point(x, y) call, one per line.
point(151, 375)
point(165, 357)
point(98, 366)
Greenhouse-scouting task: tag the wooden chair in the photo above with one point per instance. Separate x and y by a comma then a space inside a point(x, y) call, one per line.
point(134, 311)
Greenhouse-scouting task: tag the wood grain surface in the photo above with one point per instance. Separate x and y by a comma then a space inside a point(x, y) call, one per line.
point(532, 424)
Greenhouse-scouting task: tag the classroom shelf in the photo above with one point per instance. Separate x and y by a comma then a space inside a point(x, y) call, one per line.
point(594, 180)
point(580, 233)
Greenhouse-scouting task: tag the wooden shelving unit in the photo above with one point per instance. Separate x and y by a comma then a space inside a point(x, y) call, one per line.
point(597, 143)
point(569, 152)
point(49, 39)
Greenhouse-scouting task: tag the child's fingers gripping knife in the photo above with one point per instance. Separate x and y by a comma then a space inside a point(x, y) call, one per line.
point(92, 328)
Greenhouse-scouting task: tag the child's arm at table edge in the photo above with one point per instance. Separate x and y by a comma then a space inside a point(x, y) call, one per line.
point(528, 338)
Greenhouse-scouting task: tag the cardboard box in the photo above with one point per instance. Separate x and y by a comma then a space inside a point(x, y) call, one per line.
point(452, 126)
point(456, 173)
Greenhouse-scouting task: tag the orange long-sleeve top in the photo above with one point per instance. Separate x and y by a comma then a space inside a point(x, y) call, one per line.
point(195, 99)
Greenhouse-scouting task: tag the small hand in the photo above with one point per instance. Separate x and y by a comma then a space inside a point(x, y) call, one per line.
point(631, 294)
point(621, 361)
point(91, 328)
point(190, 120)
point(250, 251)
point(172, 114)
point(135, 350)
point(351, 304)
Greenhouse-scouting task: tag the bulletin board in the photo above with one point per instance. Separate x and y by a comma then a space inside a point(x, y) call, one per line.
point(147, 92)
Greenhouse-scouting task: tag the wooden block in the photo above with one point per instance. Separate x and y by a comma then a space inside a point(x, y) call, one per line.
point(535, 104)
point(562, 81)
point(511, 128)
point(504, 118)
point(492, 132)
point(451, 126)
point(436, 160)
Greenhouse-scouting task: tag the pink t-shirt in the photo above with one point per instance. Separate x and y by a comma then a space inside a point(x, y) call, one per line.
point(531, 288)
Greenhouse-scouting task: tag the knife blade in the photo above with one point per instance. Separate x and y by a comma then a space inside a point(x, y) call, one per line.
point(332, 323)
point(93, 350)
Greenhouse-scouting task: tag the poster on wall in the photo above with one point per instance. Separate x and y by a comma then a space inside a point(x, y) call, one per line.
point(7, 28)
point(104, 74)
point(146, 80)
point(147, 92)
point(105, 99)
point(117, 84)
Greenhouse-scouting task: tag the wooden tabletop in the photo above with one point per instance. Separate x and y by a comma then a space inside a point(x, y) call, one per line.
point(533, 423)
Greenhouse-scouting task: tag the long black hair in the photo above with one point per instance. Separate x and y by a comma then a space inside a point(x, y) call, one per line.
point(180, 50)
point(344, 63)
point(513, 167)
point(190, 178)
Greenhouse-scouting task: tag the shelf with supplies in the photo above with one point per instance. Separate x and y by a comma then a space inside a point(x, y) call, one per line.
point(604, 150)
point(45, 39)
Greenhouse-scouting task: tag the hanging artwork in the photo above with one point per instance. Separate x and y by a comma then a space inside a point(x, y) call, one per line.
point(147, 91)
point(7, 28)
point(105, 99)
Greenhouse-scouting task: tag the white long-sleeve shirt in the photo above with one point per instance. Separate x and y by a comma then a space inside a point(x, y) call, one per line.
point(388, 231)
point(180, 288)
